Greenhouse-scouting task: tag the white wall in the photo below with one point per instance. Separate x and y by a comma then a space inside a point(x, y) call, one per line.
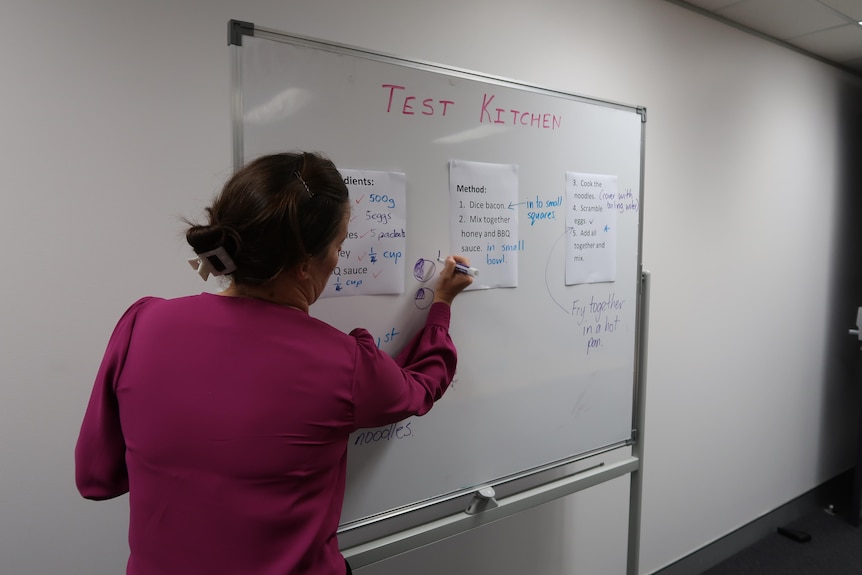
point(115, 123)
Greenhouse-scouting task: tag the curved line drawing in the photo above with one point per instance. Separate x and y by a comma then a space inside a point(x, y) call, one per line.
point(424, 269)
point(423, 298)
point(547, 266)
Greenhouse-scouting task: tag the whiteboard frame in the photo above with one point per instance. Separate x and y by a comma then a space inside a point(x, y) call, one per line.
point(373, 539)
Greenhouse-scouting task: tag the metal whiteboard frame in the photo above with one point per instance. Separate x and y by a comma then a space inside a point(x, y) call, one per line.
point(484, 507)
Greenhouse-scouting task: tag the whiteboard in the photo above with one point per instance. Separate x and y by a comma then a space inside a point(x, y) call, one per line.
point(546, 371)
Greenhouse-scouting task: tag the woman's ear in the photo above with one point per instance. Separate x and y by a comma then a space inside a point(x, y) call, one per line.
point(302, 270)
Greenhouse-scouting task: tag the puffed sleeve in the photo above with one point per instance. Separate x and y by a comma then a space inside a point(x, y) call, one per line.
point(387, 390)
point(100, 454)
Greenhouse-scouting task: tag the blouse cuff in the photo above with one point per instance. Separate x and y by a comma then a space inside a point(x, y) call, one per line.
point(439, 315)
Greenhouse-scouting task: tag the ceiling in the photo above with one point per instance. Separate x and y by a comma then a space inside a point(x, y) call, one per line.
point(828, 30)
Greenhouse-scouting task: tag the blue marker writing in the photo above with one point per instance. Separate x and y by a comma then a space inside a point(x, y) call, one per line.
point(461, 268)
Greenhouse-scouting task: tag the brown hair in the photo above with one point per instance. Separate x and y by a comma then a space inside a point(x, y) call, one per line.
point(275, 212)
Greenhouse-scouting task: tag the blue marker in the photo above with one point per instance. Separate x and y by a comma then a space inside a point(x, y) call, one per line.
point(461, 268)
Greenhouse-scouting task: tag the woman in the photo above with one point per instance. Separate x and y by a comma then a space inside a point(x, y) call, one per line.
point(226, 417)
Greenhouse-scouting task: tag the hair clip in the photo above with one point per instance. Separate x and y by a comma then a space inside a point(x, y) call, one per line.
point(298, 177)
point(215, 262)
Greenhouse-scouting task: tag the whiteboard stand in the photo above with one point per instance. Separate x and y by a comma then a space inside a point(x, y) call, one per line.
point(636, 489)
point(408, 540)
point(389, 546)
point(856, 500)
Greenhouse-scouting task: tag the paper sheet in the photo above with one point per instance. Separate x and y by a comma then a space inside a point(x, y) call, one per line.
point(484, 220)
point(372, 258)
point(591, 228)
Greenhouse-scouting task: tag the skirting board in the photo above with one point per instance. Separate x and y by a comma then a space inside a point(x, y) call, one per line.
point(835, 493)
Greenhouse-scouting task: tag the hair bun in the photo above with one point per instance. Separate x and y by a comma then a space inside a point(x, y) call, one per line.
point(205, 238)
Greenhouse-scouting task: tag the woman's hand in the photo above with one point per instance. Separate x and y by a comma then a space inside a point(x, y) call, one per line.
point(450, 283)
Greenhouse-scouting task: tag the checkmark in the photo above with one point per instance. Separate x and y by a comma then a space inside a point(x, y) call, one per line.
point(360, 198)
point(365, 234)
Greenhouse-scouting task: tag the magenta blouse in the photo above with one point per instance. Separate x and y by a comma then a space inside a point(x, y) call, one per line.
point(227, 420)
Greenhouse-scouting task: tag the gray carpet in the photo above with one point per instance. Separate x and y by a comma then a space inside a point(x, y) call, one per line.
point(835, 548)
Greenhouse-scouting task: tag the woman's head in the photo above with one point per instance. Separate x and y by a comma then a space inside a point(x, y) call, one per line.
point(274, 213)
